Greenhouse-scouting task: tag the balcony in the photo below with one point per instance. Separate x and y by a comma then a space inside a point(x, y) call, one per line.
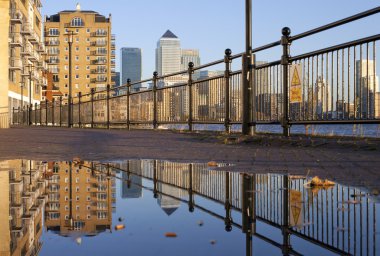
point(99, 34)
point(34, 56)
point(16, 16)
point(50, 43)
point(99, 43)
point(50, 52)
point(26, 50)
point(98, 71)
point(41, 48)
point(16, 40)
point(34, 38)
point(99, 62)
point(99, 80)
point(113, 46)
point(26, 29)
point(98, 53)
point(113, 37)
point(52, 61)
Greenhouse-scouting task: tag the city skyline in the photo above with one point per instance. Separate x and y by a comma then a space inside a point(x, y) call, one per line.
point(225, 33)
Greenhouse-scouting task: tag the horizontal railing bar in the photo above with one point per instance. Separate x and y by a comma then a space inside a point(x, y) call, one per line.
point(337, 47)
point(207, 79)
point(348, 121)
point(336, 23)
point(172, 86)
point(269, 64)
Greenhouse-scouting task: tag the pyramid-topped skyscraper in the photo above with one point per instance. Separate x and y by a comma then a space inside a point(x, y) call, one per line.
point(168, 54)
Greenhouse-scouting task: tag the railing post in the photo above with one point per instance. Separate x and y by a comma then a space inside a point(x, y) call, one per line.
point(108, 106)
point(248, 126)
point(13, 115)
point(60, 111)
point(79, 112)
point(30, 114)
point(92, 107)
point(46, 114)
point(35, 114)
point(128, 95)
point(190, 86)
point(285, 42)
point(18, 115)
point(52, 112)
point(155, 75)
point(227, 74)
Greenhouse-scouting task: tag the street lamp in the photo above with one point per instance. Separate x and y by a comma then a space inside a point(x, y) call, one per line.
point(30, 68)
point(70, 39)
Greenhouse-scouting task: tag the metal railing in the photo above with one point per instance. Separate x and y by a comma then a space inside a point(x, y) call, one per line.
point(338, 84)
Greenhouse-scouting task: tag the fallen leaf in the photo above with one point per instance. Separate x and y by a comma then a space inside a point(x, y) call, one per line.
point(170, 234)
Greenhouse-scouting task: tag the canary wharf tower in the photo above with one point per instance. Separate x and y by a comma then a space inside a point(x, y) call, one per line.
point(168, 54)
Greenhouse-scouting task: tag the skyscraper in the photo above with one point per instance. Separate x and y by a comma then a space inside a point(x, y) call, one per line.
point(366, 85)
point(168, 54)
point(93, 50)
point(131, 66)
point(190, 55)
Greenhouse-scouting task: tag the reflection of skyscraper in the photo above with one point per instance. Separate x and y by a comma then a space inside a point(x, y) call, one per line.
point(168, 204)
point(320, 98)
point(168, 54)
point(80, 199)
point(366, 85)
point(131, 184)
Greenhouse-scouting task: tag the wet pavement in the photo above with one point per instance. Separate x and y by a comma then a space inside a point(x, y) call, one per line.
point(341, 159)
point(160, 207)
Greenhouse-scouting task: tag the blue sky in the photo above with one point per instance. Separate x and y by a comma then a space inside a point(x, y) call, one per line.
point(214, 25)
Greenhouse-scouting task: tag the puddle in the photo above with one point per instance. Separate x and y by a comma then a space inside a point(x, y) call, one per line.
point(151, 207)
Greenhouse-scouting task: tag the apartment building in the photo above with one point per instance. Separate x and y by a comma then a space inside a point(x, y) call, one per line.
point(21, 74)
point(92, 51)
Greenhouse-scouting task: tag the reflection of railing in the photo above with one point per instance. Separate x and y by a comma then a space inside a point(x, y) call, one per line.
point(335, 85)
point(333, 218)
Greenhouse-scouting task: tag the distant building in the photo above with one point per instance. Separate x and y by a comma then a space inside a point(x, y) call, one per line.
point(131, 66)
point(366, 85)
point(190, 55)
point(116, 79)
point(168, 54)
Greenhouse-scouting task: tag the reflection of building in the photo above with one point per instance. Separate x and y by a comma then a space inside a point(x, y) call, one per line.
point(131, 66)
point(93, 50)
point(80, 199)
point(168, 54)
point(366, 85)
point(131, 184)
point(22, 198)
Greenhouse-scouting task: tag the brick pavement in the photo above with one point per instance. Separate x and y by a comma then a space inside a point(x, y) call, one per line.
point(351, 161)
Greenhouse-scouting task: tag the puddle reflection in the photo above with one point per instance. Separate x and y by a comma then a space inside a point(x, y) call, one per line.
point(45, 206)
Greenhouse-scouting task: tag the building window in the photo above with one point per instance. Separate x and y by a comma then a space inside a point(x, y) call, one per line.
point(88, 58)
point(88, 76)
point(76, 76)
point(77, 48)
point(88, 49)
point(77, 198)
point(77, 39)
point(53, 32)
point(77, 30)
point(88, 67)
point(77, 85)
point(76, 58)
point(77, 22)
point(66, 76)
point(88, 30)
point(76, 67)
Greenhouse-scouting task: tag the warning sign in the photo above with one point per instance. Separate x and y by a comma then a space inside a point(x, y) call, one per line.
point(295, 83)
point(296, 218)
